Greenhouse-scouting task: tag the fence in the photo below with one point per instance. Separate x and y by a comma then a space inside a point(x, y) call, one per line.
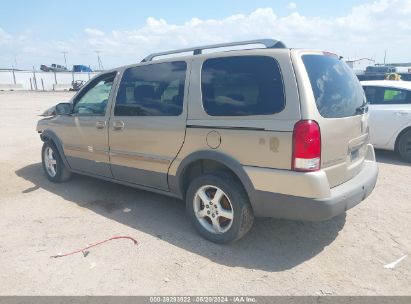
point(40, 81)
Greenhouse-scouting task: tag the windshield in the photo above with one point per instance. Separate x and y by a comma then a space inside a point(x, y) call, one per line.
point(337, 91)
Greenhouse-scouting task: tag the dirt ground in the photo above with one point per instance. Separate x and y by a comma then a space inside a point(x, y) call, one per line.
point(342, 256)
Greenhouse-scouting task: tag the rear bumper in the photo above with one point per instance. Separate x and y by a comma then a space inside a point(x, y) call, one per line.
point(342, 198)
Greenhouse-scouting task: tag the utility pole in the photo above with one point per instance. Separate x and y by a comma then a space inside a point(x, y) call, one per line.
point(385, 55)
point(14, 75)
point(100, 63)
point(65, 60)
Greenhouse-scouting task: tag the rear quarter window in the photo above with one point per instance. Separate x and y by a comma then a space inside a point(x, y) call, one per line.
point(242, 85)
point(336, 89)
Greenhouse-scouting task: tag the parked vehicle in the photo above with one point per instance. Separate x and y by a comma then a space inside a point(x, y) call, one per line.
point(380, 69)
point(382, 76)
point(44, 68)
point(272, 132)
point(53, 68)
point(81, 68)
point(390, 115)
point(57, 68)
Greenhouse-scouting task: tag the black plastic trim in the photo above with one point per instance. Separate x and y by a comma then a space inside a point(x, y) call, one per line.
point(343, 197)
point(53, 136)
point(225, 128)
point(176, 182)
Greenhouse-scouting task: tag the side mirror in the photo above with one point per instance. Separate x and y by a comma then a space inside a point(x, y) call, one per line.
point(63, 108)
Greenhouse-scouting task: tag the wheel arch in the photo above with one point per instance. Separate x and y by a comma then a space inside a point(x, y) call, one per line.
point(50, 135)
point(179, 182)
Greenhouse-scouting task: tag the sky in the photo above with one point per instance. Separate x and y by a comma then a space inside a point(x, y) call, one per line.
point(125, 31)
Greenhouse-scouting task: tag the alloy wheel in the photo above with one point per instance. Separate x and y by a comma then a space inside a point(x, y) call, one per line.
point(50, 161)
point(213, 209)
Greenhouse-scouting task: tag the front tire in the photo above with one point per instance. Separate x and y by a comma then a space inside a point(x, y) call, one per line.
point(53, 165)
point(404, 146)
point(219, 208)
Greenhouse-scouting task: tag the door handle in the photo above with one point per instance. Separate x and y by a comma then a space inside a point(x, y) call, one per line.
point(118, 125)
point(100, 124)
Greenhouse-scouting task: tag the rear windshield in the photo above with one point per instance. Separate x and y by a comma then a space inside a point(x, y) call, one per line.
point(337, 91)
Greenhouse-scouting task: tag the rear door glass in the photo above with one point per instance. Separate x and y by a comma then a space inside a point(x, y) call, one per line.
point(337, 91)
point(241, 86)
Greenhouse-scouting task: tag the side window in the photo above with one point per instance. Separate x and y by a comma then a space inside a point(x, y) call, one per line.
point(94, 100)
point(243, 85)
point(152, 90)
point(374, 95)
point(380, 95)
point(396, 96)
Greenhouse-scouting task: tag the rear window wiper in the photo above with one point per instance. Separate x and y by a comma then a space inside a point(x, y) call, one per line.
point(362, 109)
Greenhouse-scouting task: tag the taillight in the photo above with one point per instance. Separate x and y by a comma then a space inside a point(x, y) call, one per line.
point(306, 146)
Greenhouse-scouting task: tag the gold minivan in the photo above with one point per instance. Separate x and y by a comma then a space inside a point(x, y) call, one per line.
point(266, 132)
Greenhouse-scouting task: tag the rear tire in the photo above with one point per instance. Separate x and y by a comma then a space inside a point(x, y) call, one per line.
point(404, 146)
point(53, 165)
point(219, 208)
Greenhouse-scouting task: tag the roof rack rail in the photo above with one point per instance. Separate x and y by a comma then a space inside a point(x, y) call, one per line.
point(268, 43)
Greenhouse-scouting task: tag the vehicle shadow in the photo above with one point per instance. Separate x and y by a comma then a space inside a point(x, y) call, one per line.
point(389, 157)
point(271, 245)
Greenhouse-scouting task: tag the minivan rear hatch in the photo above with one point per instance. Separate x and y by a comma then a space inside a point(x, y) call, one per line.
point(334, 98)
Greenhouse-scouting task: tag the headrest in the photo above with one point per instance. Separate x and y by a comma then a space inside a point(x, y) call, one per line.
point(144, 92)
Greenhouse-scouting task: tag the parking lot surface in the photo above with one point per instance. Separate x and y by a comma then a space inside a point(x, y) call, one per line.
point(342, 256)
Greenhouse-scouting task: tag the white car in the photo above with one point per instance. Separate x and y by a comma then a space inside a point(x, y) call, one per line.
point(390, 115)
